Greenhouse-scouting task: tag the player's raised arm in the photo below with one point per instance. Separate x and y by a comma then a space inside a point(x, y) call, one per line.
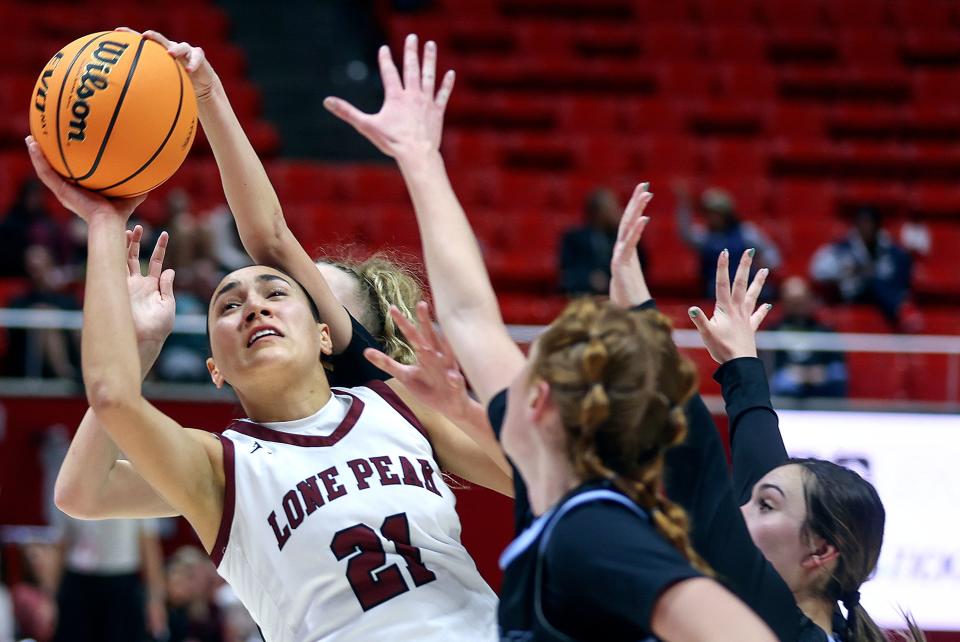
point(250, 195)
point(187, 473)
point(408, 128)
point(93, 482)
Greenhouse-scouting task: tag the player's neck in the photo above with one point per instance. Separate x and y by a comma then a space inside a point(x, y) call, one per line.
point(819, 610)
point(551, 479)
point(288, 404)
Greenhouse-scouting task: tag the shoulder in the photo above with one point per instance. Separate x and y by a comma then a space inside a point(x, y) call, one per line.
point(604, 530)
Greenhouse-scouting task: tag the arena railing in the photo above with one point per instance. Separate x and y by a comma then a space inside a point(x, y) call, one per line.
point(948, 345)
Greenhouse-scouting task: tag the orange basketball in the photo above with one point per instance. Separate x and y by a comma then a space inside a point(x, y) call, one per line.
point(114, 113)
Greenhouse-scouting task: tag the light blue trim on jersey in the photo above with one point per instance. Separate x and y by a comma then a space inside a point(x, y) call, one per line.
point(524, 540)
point(584, 498)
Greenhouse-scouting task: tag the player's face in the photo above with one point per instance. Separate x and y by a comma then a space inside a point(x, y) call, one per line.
point(260, 320)
point(775, 516)
point(532, 422)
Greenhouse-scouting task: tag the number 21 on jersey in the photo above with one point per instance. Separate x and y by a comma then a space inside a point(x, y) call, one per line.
point(371, 583)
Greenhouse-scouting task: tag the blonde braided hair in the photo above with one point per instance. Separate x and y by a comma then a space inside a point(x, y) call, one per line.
point(618, 382)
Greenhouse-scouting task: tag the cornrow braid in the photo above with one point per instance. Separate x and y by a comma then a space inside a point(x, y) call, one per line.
point(618, 380)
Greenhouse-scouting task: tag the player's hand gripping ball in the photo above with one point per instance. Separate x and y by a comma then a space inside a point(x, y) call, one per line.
point(114, 113)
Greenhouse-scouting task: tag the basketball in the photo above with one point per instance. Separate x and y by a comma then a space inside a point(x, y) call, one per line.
point(114, 113)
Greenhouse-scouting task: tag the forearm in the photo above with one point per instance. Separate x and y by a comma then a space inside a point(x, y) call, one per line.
point(474, 422)
point(458, 277)
point(256, 208)
point(81, 488)
point(463, 297)
point(110, 362)
point(756, 444)
point(249, 193)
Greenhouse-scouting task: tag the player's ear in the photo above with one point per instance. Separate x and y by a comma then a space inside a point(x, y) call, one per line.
point(215, 375)
point(326, 343)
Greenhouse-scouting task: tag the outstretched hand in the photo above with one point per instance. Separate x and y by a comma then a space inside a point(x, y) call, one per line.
point(628, 288)
point(151, 295)
point(435, 379)
point(731, 333)
point(411, 119)
point(81, 202)
point(193, 59)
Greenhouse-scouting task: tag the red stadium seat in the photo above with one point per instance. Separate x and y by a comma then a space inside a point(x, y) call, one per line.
point(870, 46)
point(936, 87)
point(929, 16)
point(687, 81)
point(926, 46)
point(741, 43)
point(789, 121)
point(793, 14)
point(749, 158)
point(647, 11)
point(856, 13)
point(936, 201)
point(738, 12)
point(752, 83)
point(671, 42)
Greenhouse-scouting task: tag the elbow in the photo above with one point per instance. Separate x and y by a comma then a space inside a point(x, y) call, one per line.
point(69, 498)
point(108, 394)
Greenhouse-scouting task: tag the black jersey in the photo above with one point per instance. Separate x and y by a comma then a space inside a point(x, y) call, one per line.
point(591, 568)
point(350, 368)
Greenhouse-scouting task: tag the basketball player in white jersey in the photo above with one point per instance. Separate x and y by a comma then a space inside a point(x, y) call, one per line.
point(325, 510)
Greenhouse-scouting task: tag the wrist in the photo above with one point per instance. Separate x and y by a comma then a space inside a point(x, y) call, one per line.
point(149, 351)
point(210, 92)
point(416, 162)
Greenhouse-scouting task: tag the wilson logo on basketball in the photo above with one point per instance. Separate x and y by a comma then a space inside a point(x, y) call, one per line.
point(40, 99)
point(94, 79)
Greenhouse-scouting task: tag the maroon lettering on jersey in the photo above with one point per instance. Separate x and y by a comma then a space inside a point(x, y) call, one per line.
point(310, 492)
point(382, 464)
point(282, 535)
point(410, 477)
point(362, 471)
point(427, 471)
point(293, 509)
point(329, 479)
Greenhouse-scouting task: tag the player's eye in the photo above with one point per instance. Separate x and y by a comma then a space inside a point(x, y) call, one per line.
point(765, 505)
point(277, 292)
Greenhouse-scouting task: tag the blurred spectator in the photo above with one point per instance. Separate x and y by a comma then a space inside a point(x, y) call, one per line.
point(191, 581)
point(184, 356)
point(799, 372)
point(225, 242)
point(238, 625)
point(189, 241)
point(915, 238)
point(585, 252)
point(723, 230)
point(44, 352)
point(6, 615)
point(868, 267)
point(102, 597)
point(34, 608)
point(28, 223)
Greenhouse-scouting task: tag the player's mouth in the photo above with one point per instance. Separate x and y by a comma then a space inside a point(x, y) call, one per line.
point(261, 332)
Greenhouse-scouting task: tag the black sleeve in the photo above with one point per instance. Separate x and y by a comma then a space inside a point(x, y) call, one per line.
point(605, 568)
point(350, 368)
point(755, 440)
point(522, 515)
point(696, 477)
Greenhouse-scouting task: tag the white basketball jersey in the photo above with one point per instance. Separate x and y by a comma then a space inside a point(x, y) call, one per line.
point(339, 526)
